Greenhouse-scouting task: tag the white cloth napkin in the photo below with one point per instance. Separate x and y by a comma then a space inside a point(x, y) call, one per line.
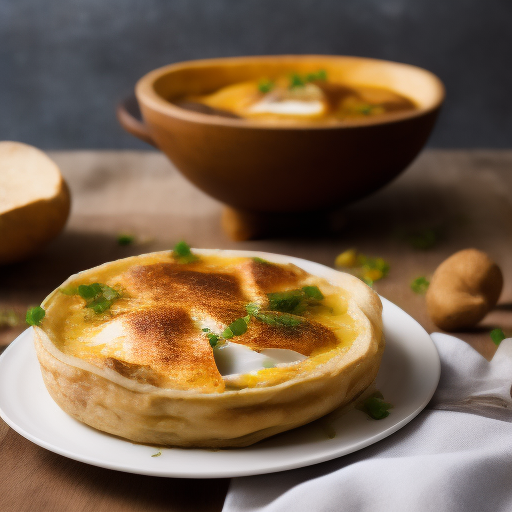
point(455, 456)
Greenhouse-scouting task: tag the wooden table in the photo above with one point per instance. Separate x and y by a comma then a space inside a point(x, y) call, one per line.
point(465, 196)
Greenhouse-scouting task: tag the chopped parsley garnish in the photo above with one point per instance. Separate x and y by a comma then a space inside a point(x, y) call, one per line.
point(257, 259)
point(89, 291)
point(265, 86)
point(213, 339)
point(35, 315)
point(240, 325)
point(286, 302)
point(497, 336)
point(236, 328)
point(157, 454)
point(279, 319)
point(99, 297)
point(376, 407)
point(313, 292)
point(182, 253)
point(69, 290)
point(295, 301)
point(252, 309)
point(281, 304)
point(420, 285)
point(125, 239)
point(297, 80)
point(319, 76)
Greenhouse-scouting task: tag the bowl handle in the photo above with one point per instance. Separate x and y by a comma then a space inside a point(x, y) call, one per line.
point(130, 118)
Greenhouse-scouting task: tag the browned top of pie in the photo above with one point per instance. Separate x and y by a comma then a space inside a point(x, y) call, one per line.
point(155, 332)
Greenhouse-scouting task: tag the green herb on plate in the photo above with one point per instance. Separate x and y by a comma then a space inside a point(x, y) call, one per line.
point(376, 407)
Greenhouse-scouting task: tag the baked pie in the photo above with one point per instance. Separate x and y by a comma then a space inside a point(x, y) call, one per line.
point(207, 349)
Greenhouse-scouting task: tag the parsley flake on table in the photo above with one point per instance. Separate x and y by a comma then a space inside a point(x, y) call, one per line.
point(497, 336)
point(420, 285)
point(367, 269)
point(124, 239)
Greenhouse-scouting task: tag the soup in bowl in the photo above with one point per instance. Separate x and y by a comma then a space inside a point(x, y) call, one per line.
point(287, 133)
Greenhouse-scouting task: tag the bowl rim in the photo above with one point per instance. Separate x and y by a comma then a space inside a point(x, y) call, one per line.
point(147, 96)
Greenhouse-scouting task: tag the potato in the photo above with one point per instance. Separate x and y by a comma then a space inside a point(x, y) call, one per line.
point(463, 289)
point(34, 201)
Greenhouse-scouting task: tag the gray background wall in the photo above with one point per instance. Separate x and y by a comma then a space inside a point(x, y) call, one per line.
point(65, 63)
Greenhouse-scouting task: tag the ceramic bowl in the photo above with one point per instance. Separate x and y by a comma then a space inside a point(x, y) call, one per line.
point(261, 168)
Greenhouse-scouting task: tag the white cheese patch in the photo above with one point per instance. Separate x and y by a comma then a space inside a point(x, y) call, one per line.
point(306, 101)
point(235, 359)
point(288, 107)
point(110, 334)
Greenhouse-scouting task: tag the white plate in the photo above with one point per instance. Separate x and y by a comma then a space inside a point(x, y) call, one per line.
point(408, 377)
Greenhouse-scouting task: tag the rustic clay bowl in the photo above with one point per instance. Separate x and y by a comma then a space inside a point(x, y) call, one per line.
point(259, 168)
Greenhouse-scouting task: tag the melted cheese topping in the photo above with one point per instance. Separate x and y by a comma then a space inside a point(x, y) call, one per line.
point(154, 332)
point(281, 101)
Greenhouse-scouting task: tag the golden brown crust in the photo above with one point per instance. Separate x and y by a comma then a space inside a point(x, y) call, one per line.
point(307, 337)
point(166, 340)
point(124, 398)
point(190, 286)
point(268, 277)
